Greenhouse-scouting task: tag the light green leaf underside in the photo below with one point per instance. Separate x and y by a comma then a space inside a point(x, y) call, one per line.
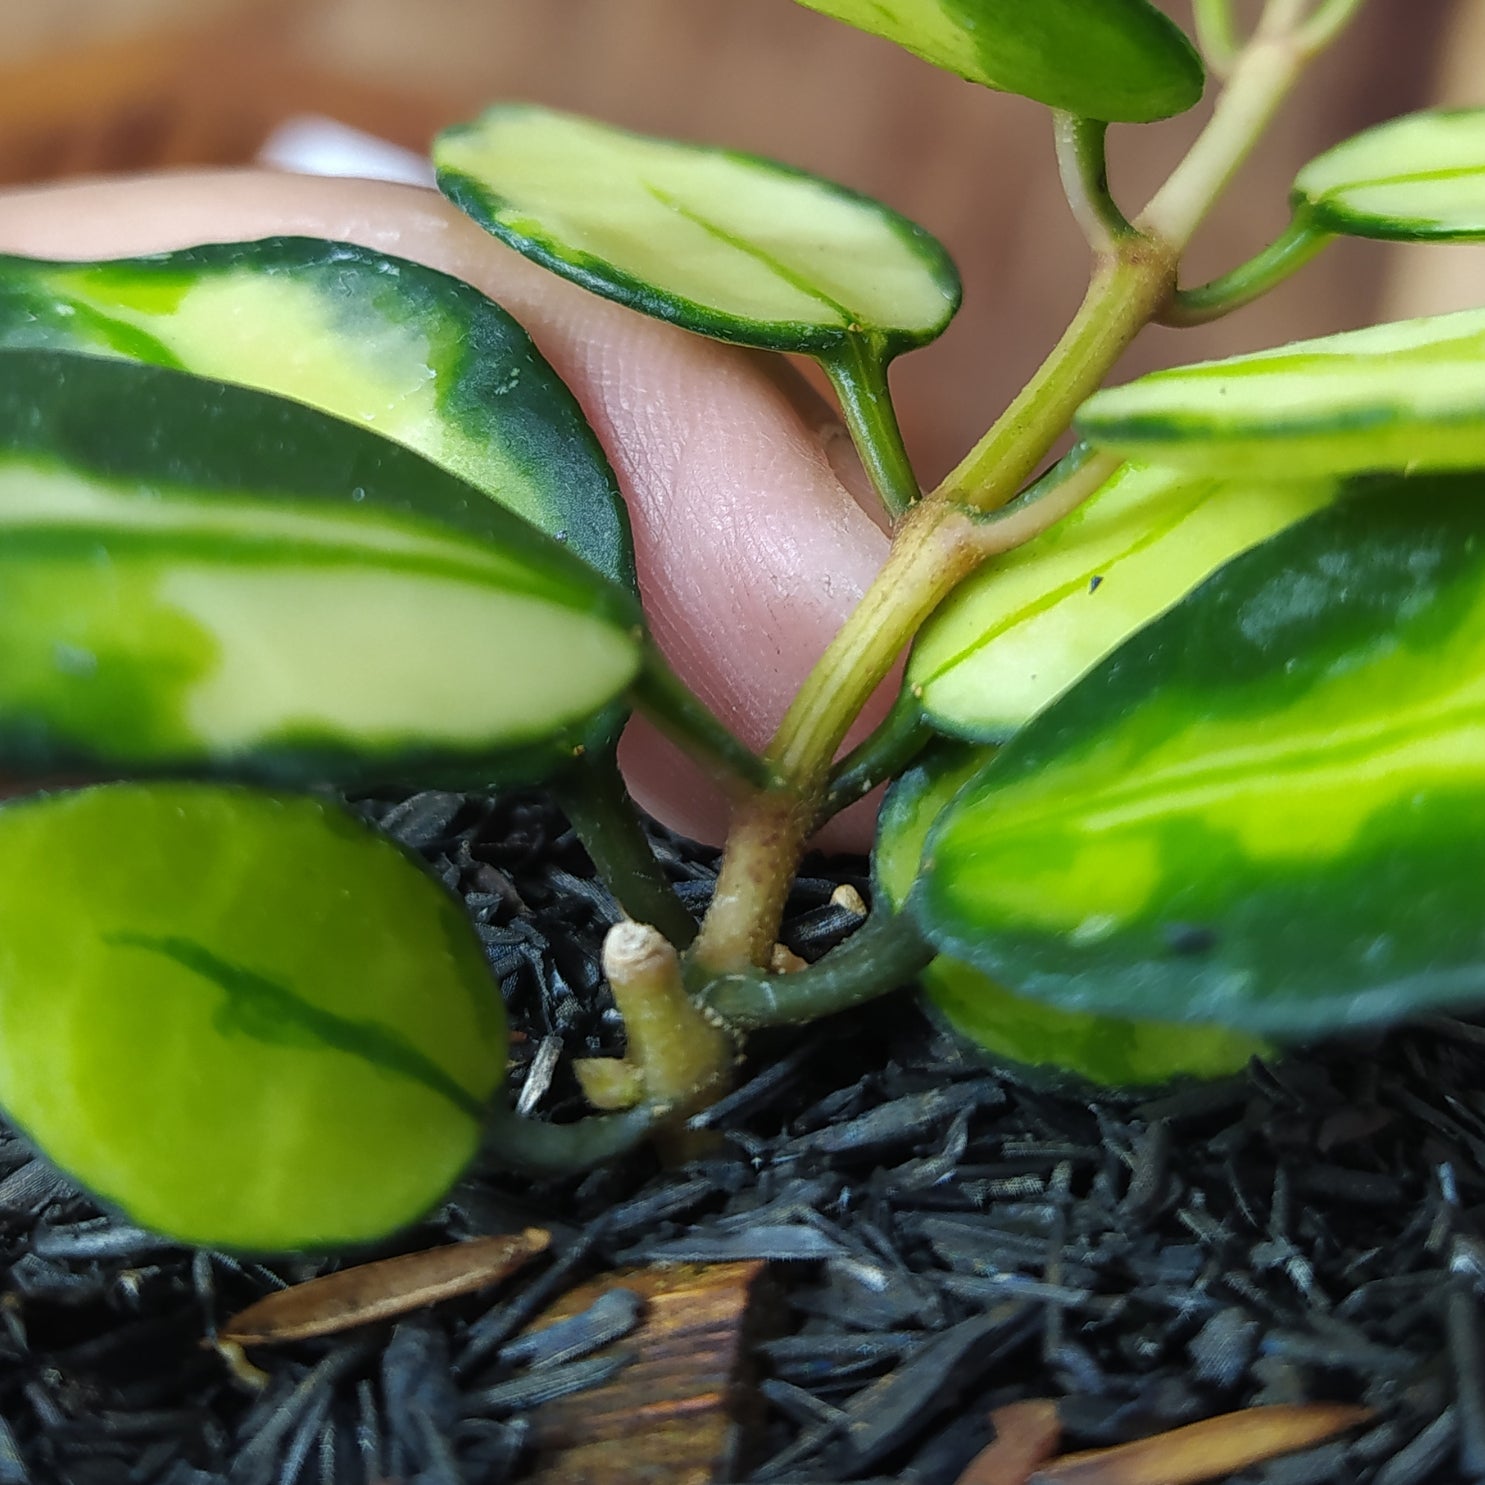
point(1264, 808)
point(261, 1026)
point(172, 611)
point(1407, 395)
point(1415, 178)
point(1027, 626)
point(409, 352)
point(1119, 60)
point(1047, 1042)
point(729, 245)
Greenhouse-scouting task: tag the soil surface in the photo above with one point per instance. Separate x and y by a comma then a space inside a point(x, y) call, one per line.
point(943, 1239)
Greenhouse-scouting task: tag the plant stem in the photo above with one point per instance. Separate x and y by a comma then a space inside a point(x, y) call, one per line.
point(1125, 293)
point(1330, 18)
point(940, 542)
point(679, 713)
point(512, 1143)
point(858, 372)
point(1216, 34)
point(681, 1054)
point(929, 555)
point(594, 799)
point(936, 548)
point(892, 745)
point(1285, 256)
point(883, 954)
point(1267, 70)
point(1083, 164)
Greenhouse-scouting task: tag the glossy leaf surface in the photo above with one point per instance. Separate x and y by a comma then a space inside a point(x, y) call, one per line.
point(1118, 60)
point(198, 576)
point(420, 357)
point(1264, 808)
point(1407, 395)
point(729, 245)
point(246, 1019)
point(1027, 626)
point(1042, 1040)
point(1419, 178)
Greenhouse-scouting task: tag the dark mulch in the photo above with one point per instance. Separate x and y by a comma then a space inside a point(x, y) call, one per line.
point(943, 1241)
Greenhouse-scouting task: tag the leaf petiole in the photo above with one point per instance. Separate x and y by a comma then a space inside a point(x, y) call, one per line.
point(1083, 164)
point(683, 717)
point(1286, 255)
point(858, 371)
point(891, 746)
point(593, 797)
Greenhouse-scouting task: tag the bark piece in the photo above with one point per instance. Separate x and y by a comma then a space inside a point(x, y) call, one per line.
point(674, 1413)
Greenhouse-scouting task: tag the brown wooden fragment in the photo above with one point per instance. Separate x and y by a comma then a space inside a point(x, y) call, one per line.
point(1207, 1450)
point(673, 1414)
point(381, 1290)
point(1026, 1434)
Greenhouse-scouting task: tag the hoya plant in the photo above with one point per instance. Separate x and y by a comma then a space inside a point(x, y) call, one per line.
point(1188, 761)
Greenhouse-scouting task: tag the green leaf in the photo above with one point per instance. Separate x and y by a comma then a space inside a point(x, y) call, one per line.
point(1027, 626)
point(1117, 60)
point(198, 576)
point(1419, 178)
point(1408, 395)
point(1042, 1041)
point(1264, 809)
point(420, 357)
point(256, 1024)
point(729, 245)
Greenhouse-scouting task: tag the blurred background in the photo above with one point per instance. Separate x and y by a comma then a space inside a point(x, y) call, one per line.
point(101, 86)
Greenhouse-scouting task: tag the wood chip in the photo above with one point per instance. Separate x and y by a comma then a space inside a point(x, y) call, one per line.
point(1026, 1435)
point(1207, 1450)
point(381, 1290)
point(678, 1405)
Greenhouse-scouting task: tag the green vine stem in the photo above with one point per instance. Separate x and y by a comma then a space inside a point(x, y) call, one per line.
point(940, 542)
point(900, 736)
point(1082, 162)
point(1286, 255)
point(1331, 17)
point(532, 1147)
point(937, 547)
point(1216, 34)
point(593, 797)
point(683, 717)
point(1262, 78)
point(858, 371)
point(883, 954)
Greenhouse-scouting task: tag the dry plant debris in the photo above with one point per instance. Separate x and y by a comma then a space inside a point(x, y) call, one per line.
point(382, 1290)
point(1027, 1434)
point(1207, 1450)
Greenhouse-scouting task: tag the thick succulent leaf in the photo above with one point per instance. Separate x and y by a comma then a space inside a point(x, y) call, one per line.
point(1420, 178)
point(200, 576)
point(1119, 60)
point(256, 1024)
point(1041, 1040)
point(1027, 626)
point(1408, 395)
point(1264, 809)
point(730, 245)
point(416, 355)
